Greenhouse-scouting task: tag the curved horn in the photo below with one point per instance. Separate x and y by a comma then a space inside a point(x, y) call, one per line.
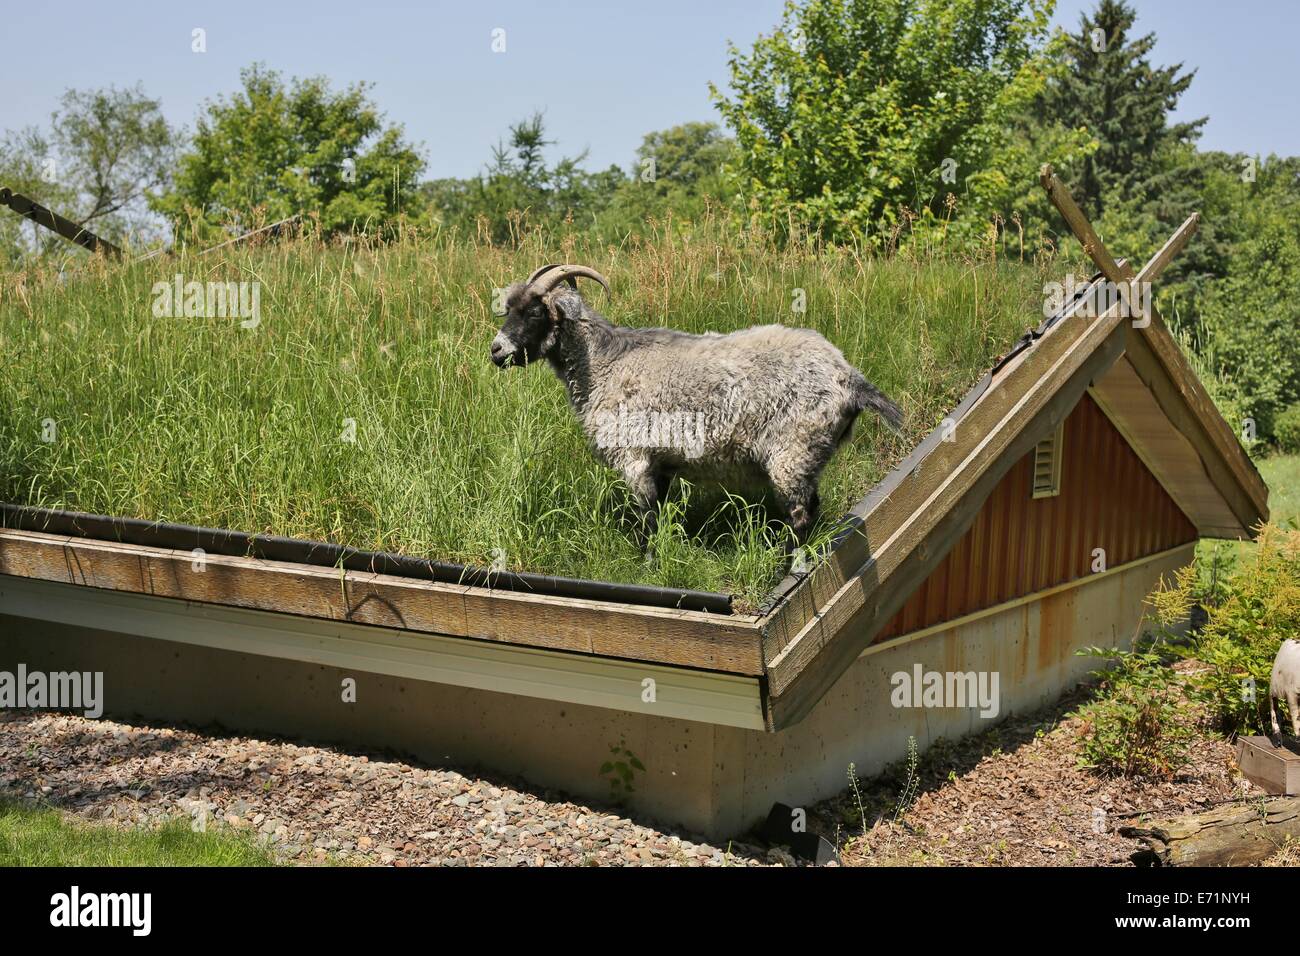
point(538, 272)
point(544, 280)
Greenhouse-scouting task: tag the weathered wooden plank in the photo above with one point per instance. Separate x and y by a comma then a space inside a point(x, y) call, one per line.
point(1213, 436)
point(831, 641)
point(1271, 767)
point(1236, 835)
point(1248, 504)
point(683, 638)
point(882, 521)
point(1076, 220)
point(31, 209)
point(1131, 407)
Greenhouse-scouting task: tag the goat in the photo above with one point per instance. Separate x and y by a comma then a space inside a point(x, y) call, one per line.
point(764, 406)
point(1284, 684)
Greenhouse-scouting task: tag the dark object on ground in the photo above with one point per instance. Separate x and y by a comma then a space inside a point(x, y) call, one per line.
point(778, 829)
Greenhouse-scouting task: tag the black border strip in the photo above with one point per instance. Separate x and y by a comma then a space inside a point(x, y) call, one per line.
point(182, 537)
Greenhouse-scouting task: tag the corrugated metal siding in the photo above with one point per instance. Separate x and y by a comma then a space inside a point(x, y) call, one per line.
point(1018, 544)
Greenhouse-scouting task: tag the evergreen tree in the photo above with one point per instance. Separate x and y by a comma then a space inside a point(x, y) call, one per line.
point(1144, 176)
point(1111, 88)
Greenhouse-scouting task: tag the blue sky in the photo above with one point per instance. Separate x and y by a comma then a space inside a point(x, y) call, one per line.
point(604, 73)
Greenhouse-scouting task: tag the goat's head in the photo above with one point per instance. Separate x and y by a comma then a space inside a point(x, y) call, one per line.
point(534, 311)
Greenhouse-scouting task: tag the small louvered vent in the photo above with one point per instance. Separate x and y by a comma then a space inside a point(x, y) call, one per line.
point(1047, 464)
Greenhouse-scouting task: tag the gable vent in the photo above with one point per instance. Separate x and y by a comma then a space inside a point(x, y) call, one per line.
point(1047, 464)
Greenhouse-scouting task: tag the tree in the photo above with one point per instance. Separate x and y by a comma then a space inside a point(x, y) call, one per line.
point(688, 159)
point(1249, 319)
point(519, 188)
point(1111, 88)
point(676, 170)
point(106, 152)
point(274, 150)
point(116, 148)
point(854, 109)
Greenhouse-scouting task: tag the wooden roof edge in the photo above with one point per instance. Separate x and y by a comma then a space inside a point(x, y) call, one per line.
point(805, 657)
point(847, 549)
point(1223, 439)
point(1153, 331)
point(681, 638)
point(824, 623)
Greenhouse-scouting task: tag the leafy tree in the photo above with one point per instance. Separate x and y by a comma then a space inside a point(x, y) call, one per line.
point(676, 170)
point(274, 150)
point(1249, 320)
point(854, 109)
point(105, 152)
point(689, 158)
point(116, 148)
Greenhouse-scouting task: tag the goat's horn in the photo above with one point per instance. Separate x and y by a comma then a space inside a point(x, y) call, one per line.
point(544, 280)
point(538, 272)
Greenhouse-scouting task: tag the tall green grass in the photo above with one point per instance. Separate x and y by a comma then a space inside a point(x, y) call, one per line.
point(198, 420)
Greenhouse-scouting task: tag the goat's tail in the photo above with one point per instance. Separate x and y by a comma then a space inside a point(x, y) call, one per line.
point(866, 395)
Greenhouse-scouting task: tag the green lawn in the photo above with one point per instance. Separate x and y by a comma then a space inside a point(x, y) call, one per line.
point(202, 421)
point(39, 836)
point(1282, 474)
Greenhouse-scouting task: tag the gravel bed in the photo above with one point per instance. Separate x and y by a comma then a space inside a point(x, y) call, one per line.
point(314, 805)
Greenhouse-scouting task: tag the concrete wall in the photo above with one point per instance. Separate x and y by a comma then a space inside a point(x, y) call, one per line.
point(710, 780)
point(1031, 645)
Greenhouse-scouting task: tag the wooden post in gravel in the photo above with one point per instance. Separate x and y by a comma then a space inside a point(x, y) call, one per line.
point(1236, 835)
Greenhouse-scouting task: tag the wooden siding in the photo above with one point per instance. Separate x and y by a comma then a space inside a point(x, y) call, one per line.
point(1019, 544)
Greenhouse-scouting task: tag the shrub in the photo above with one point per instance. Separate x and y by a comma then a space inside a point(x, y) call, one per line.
point(1287, 430)
point(1260, 608)
point(1141, 724)
point(1249, 325)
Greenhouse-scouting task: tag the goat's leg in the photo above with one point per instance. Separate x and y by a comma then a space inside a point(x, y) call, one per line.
point(802, 504)
point(1272, 713)
point(1292, 700)
point(645, 482)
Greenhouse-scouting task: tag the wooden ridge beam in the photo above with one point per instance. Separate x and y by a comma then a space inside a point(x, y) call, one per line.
point(1227, 463)
point(31, 209)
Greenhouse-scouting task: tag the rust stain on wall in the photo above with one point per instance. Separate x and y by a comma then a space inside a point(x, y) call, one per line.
point(1018, 544)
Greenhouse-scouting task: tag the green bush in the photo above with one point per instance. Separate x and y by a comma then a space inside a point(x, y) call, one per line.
point(1260, 608)
point(1287, 430)
point(1249, 324)
point(1141, 723)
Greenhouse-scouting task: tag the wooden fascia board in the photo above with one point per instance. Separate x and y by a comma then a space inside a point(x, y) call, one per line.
point(1030, 399)
point(1161, 364)
point(679, 638)
point(1131, 406)
point(681, 693)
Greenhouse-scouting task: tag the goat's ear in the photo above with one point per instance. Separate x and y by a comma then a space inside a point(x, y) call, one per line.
point(565, 306)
